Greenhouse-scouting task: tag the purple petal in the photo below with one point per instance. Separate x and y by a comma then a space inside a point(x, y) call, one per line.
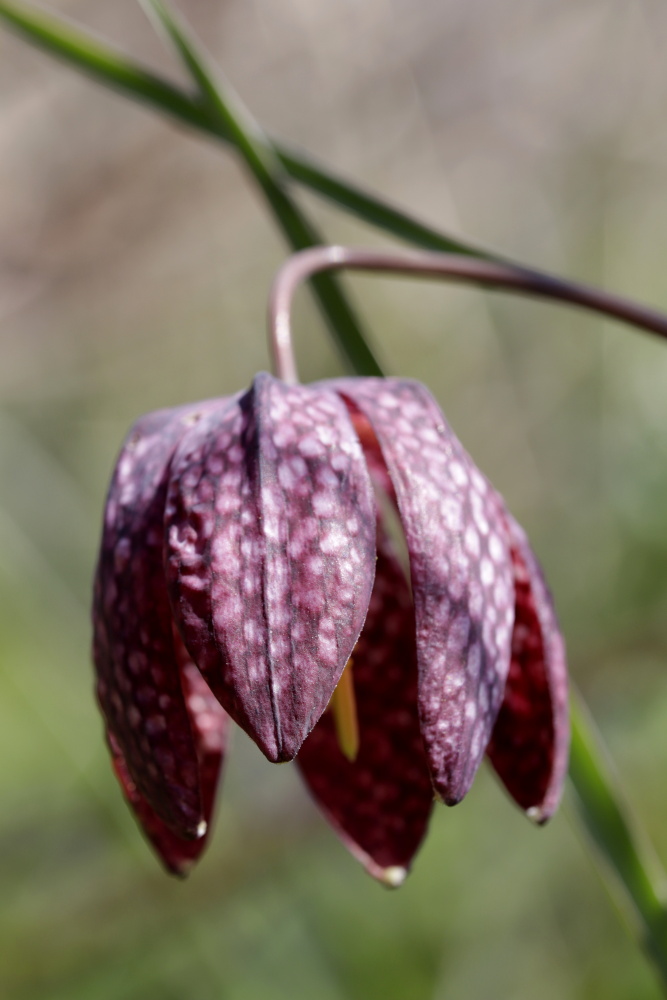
point(138, 676)
point(210, 724)
point(271, 552)
point(529, 746)
point(461, 574)
point(379, 804)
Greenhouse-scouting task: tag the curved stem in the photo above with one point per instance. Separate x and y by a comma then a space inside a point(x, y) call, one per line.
point(425, 264)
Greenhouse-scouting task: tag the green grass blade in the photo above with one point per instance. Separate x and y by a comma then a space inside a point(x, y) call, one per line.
point(114, 69)
point(628, 864)
point(259, 156)
point(99, 60)
point(373, 210)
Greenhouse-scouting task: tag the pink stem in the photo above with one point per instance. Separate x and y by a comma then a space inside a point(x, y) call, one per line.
point(425, 264)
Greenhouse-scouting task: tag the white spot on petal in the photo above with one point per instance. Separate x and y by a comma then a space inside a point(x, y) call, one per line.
point(458, 473)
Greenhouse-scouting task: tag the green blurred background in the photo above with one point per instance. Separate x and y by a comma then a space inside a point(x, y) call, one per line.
point(135, 262)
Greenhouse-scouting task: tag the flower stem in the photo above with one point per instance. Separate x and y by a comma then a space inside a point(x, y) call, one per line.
point(452, 267)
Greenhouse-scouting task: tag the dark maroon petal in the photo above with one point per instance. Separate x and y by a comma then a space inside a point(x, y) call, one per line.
point(271, 551)
point(529, 745)
point(176, 854)
point(138, 678)
point(210, 725)
point(461, 574)
point(380, 804)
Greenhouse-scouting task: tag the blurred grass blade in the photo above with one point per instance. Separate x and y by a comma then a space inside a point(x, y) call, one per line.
point(621, 846)
point(112, 68)
point(243, 131)
point(373, 210)
point(99, 60)
point(258, 154)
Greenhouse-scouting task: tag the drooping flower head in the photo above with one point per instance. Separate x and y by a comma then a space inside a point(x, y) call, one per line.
point(248, 564)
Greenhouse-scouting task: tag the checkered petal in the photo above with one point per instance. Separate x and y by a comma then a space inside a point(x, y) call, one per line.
point(529, 745)
point(461, 574)
point(211, 726)
point(270, 555)
point(140, 683)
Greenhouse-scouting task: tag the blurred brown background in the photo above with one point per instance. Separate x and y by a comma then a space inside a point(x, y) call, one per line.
point(135, 261)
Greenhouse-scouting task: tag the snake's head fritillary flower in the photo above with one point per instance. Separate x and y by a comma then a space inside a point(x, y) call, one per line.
point(246, 562)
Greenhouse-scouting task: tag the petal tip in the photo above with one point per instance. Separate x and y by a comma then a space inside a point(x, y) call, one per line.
point(535, 815)
point(448, 793)
point(271, 743)
point(393, 877)
point(539, 815)
point(281, 754)
point(181, 869)
point(273, 755)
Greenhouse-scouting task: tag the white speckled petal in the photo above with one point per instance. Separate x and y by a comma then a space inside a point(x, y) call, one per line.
point(530, 741)
point(461, 574)
point(271, 551)
point(139, 681)
point(210, 725)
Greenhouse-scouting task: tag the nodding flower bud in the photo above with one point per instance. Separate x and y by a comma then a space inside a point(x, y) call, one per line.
point(249, 572)
point(246, 558)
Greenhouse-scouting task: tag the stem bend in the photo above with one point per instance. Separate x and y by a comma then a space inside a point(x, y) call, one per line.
point(426, 264)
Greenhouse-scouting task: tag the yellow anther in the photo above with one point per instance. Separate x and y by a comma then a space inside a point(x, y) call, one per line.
point(343, 704)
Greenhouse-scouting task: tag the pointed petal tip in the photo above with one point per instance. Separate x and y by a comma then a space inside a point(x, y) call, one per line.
point(448, 792)
point(450, 798)
point(537, 815)
point(392, 877)
point(181, 870)
point(541, 814)
point(274, 751)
